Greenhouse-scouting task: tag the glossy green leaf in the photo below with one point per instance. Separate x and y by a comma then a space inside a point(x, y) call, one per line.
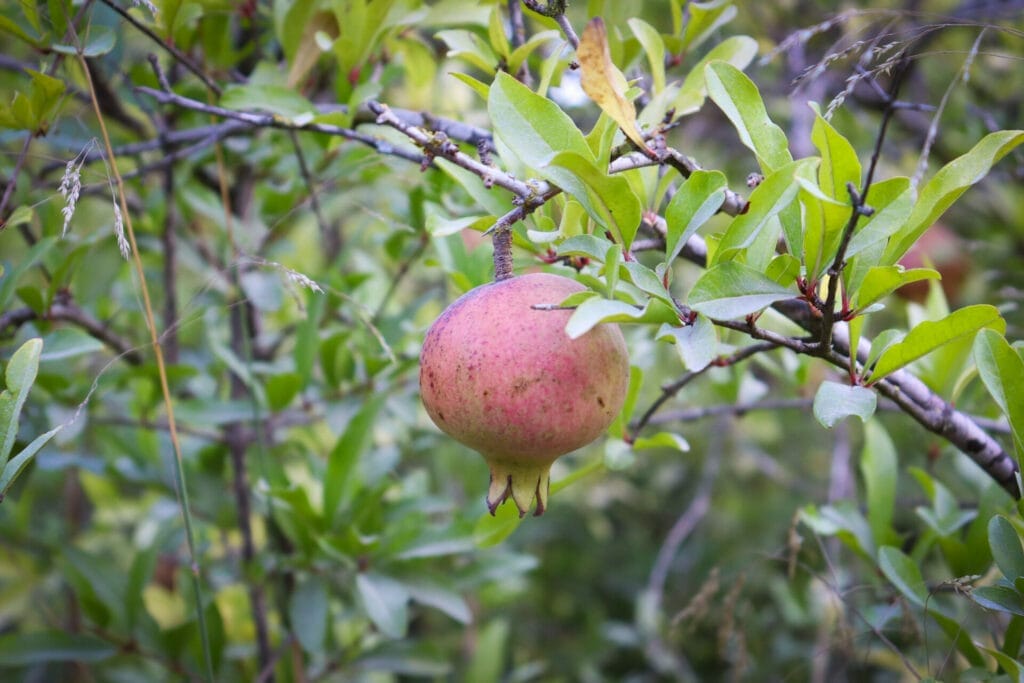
point(880, 471)
point(697, 200)
point(662, 440)
point(42, 647)
point(928, 336)
point(766, 202)
point(20, 375)
point(385, 601)
point(1006, 547)
point(697, 344)
point(732, 290)
point(834, 402)
point(307, 614)
point(1002, 371)
point(738, 97)
point(881, 281)
point(946, 186)
point(999, 598)
point(739, 51)
point(598, 310)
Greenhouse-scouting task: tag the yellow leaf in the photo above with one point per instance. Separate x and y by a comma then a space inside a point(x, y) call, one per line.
point(604, 83)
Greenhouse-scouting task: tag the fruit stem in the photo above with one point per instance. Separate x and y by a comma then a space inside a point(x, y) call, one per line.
point(502, 254)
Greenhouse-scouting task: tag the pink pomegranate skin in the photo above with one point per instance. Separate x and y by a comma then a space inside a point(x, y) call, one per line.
point(506, 380)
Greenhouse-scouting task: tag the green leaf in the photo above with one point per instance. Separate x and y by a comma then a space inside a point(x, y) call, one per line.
point(697, 344)
point(834, 402)
point(697, 200)
point(844, 521)
point(647, 281)
point(340, 481)
point(15, 465)
point(654, 48)
point(738, 97)
point(69, 342)
point(42, 647)
point(732, 290)
point(534, 127)
point(608, 198)
point(1002, 371)
point(282, 389)
point(903, 573)
point(662, 440)
point(20, 375)
point(307, 614)
point(928, 336)
point(999, 598)
point(839, 162)
point(738, 51)
point(1006, 549)
point(385, 601)
point(878, 467)
point(704, 18)
point(892, 199)
point(946, 186)
point(591, 246)
point(881, 281)
point(489, 656)
point(766, 202)
point(597, 310)
point(490, 530)
point(449, 602)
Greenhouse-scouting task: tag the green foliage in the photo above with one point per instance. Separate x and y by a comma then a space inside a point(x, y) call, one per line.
point(307, 183)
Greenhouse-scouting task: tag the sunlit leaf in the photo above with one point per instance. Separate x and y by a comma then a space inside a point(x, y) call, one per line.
point(928, 336)
point(732, 290)
point(738, 97)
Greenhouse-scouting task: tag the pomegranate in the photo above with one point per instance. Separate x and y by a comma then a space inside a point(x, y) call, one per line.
point(506, 380)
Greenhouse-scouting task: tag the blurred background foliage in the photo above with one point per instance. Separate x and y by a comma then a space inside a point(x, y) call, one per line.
point(293, 277)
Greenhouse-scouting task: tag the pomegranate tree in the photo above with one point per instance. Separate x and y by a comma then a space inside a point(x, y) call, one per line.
point(504, 378)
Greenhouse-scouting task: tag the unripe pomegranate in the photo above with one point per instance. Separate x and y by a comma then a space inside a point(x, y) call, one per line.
point(506, 380)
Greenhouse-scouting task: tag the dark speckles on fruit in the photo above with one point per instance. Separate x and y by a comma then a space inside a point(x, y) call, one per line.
point(600, 401)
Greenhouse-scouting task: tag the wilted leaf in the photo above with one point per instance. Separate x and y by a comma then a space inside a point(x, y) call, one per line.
point(604, 83)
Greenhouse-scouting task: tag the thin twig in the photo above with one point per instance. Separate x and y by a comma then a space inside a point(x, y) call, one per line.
point(272, 121)
point(177, 54)
point(69, 312)
point(859, 208)
point(670, 390)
